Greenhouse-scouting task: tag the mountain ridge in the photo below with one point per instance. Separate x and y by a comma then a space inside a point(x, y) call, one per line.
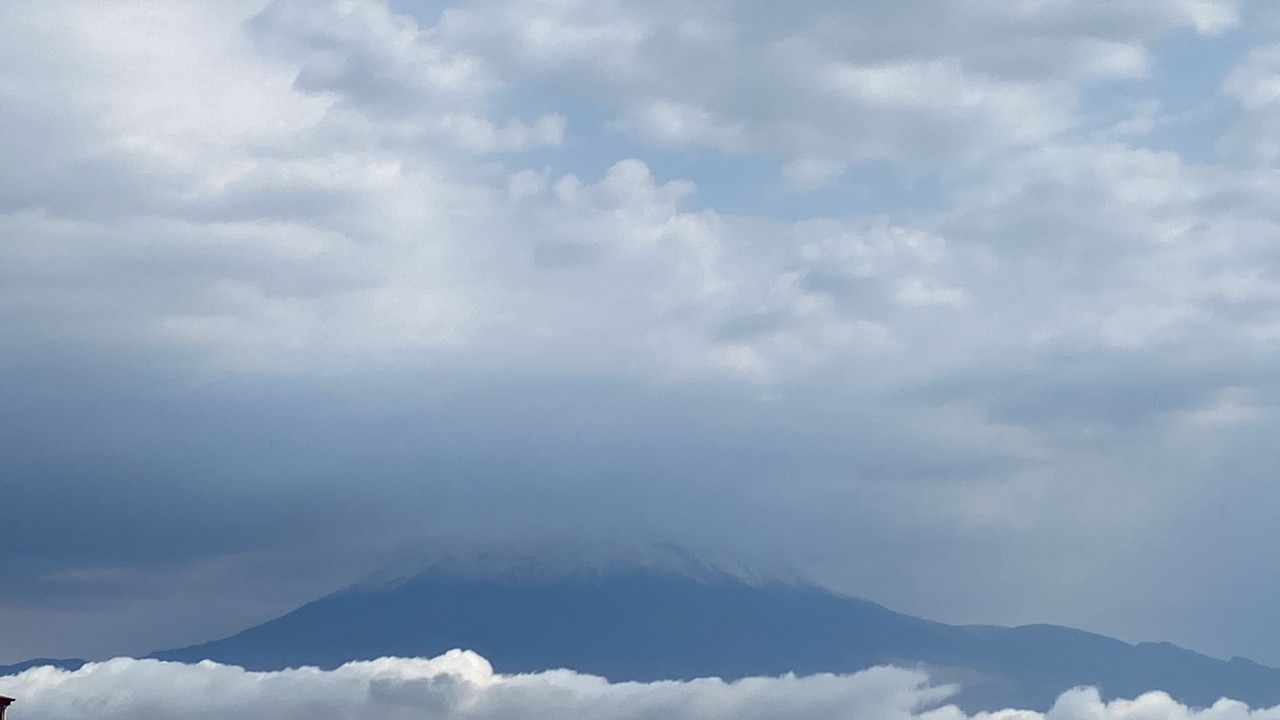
point(625, 621)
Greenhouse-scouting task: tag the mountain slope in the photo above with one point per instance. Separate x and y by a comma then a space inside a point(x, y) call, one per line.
point(636, 623)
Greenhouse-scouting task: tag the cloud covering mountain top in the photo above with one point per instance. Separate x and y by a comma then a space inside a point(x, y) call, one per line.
point(462, 686)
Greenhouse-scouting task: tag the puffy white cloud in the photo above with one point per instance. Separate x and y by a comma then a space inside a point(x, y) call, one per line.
point(338, 223)
point(306, 176)
point(462, 685)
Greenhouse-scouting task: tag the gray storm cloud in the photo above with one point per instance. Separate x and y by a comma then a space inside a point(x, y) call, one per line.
point(461, 685)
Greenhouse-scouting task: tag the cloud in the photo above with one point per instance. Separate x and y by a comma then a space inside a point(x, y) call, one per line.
point(319, 205)
point(939, 84)
point(809, 173)
point(347, 221)
point(462, 685)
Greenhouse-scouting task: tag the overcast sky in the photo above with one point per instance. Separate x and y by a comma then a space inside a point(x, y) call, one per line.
point(970, 307)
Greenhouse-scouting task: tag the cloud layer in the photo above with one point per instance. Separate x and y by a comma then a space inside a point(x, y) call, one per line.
point(462, 686)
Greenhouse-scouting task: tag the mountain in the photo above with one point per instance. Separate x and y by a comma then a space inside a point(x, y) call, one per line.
point(634, 622)
point(63, 663)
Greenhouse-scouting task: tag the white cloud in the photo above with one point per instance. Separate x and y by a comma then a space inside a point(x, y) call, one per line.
point(316, 199)
point(462, 686)
point(663, 122)
point(1255, 84)
point(810, 172)
point(946, 82)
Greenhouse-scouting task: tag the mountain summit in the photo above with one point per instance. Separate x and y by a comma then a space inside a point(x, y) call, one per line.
point(643, 622)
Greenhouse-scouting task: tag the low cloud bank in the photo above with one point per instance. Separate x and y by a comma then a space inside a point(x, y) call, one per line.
point(462, 685)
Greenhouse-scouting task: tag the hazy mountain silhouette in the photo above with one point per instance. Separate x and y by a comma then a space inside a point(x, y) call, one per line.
point(64, 663)
point(635, 622)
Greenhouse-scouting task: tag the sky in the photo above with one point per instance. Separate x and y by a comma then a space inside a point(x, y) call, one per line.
point(971, 308)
